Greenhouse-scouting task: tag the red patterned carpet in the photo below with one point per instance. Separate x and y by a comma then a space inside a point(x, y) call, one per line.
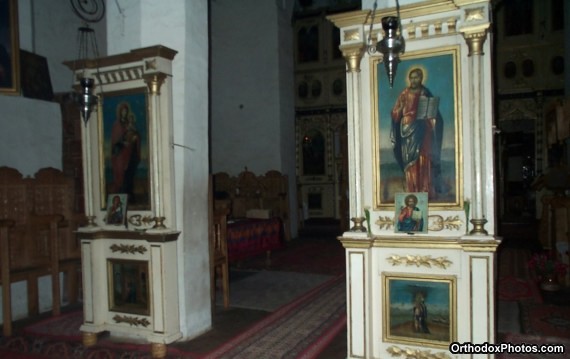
point(305, 255)
point(299, 329)
point(545, 320)
point(24, 347)
point(511, 288)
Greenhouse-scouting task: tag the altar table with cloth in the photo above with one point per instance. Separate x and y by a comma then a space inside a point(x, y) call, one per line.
point(248, 238)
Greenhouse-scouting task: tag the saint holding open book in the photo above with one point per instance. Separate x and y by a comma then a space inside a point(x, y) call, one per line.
point(416, 135)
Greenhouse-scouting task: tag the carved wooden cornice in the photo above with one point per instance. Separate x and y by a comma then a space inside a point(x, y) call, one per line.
point(361, 17)
point(132, 56)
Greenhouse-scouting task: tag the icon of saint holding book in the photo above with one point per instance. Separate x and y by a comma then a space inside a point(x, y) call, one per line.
point(416, 134)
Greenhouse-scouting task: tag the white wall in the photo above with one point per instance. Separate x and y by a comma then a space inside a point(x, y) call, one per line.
point(247, 80)
point(252, 87)
point(49, 29)
point(182, 26)
point(31, 136)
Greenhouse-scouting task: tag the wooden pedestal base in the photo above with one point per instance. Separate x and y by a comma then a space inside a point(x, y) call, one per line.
point(158, 350)
point(89, 339)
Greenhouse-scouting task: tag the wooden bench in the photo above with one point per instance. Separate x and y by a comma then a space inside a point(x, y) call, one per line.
point(37, 239)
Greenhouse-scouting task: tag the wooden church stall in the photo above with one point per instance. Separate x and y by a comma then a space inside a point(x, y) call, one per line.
point(37, 238)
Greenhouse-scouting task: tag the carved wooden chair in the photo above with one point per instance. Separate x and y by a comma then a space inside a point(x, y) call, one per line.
point(5, 224)
point(219, 256)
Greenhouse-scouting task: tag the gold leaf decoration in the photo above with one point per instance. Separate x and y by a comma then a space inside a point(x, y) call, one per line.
point(409, 353)
point(351, 35)
point(476, 14)
point(453, 223)
point(385, 222)
point(437, 223)
point(132, 321)
point(137, 220)
point(128, 248)
point(419, 261)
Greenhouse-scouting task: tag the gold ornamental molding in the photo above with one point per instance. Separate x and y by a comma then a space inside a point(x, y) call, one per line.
point(436, 223)
point(475, 14)
point(351, 35)
point(385, 222)
point(360, 17)
point(353, 55)
point(132, 321)
point(475, 245)
point(154, 82)
point(409, 353)
point(120, 75)
point(356, 243)
point(128, 248)
point(138, 220)
point(475, 42)
point(424, 27)
point(419, 261)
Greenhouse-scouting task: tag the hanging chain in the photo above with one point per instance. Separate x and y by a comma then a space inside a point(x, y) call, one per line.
point(371, 49)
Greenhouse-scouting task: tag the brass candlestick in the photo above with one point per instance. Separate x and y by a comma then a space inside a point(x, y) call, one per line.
point(358, 227)
point(478, 227)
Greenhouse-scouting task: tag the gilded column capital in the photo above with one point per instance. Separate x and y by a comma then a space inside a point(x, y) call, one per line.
point(154, 82)
point(475, 41)
point(353, 55)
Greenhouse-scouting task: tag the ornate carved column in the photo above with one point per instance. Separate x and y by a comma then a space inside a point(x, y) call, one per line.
point(475, 38)
point(154, 82)
point(89, 191)
point(353, 55)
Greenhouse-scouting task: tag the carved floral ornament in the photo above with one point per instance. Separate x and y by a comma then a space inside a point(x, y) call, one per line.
point(128, 248)
point(132, 321)
point(435, 223)
point(419, 261)
point(409, 353)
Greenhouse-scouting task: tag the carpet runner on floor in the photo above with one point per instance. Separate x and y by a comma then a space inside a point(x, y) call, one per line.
point(314, 255)
point(300, 329)
point(268, 290)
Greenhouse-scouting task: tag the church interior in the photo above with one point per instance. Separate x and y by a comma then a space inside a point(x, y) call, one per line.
point(179, 179)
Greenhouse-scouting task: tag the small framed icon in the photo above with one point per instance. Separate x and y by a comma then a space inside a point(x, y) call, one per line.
point(116, 209)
